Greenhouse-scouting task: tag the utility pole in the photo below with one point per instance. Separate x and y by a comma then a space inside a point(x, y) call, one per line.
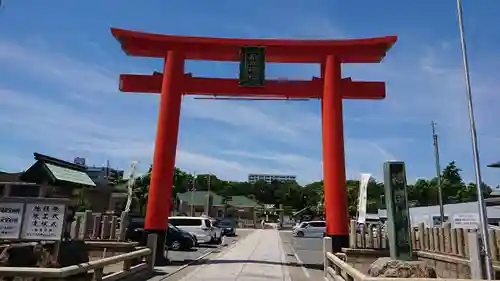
point(438, 171)
point(193, 189)
point(209, 183)
point(483, 215)
point(207, 202)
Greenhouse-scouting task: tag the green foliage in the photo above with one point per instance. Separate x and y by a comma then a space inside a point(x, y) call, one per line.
point(81, 203)
point(294, 196)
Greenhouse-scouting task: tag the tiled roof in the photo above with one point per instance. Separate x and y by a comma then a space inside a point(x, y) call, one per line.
point(242, 201)
point(70, 175)
point(10, 177)
point(199, 199)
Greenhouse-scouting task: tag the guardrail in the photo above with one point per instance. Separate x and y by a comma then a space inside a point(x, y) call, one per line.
point(336, 268)
point(144, 266)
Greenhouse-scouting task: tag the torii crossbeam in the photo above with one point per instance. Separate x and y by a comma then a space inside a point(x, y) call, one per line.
point(331, 88)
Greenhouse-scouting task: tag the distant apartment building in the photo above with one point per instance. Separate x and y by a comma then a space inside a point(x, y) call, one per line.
point(100, 175)
point(252, 178)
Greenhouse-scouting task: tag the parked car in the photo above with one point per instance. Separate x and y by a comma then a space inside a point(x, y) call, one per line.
point(201, 227)
point(296, 225)
point(227, 227)
point(178, 239)
point(135, 228)
point(310, 229)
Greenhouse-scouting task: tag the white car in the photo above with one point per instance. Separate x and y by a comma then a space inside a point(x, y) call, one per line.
point(310, 229)
point(296, 225)
point(201, 227)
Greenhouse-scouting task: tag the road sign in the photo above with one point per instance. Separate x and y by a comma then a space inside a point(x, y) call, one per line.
point(43, 221)
point(252, 66)
point(466, 220)
point(11, 216)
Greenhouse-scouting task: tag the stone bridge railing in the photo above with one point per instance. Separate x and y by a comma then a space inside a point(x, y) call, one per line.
point(140, 261)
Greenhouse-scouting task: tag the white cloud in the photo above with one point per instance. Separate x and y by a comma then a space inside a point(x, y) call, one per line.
point(41, 63)
point(80, 130)
point(91, 118)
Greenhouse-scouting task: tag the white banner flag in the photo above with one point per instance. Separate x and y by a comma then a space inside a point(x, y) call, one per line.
point(363, 191)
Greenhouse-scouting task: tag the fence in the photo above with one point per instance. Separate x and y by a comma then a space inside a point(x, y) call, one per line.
point(139, 261)
point(445, 240)
point(96, 226)
point(336, 268)
point(456, 246)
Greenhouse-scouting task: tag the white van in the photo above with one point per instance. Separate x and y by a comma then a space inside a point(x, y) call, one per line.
point(310, 229)
point(198, 226)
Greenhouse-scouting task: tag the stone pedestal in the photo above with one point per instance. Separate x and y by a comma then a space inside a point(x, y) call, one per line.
point(386, 267)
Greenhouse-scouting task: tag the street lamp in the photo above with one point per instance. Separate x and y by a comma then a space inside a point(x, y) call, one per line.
point(472, 123)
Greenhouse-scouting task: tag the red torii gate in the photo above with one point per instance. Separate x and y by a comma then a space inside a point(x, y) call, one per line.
point(331, 88)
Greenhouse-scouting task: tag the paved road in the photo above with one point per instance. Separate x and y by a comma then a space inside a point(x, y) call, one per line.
point(307, 252)
point(181, 258)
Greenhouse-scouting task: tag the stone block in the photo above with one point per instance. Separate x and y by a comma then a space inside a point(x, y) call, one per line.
point(386, 267)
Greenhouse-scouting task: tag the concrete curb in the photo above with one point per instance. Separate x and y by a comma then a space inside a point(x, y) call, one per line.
point(200, 258)
point(189, 263)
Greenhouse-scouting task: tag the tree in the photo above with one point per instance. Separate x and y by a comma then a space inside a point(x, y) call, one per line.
point(423, 192)
point(141, 189)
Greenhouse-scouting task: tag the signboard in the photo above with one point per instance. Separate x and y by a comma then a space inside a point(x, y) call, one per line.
point(363, 191)
point(436, 220)
point(418, 219)
point(398, 215)
point(252, 66)
point(11, 215)
point(466, 220)
point(43, 221)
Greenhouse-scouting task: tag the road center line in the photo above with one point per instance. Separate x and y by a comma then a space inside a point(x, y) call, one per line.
point(299, 261)
point(304, 269)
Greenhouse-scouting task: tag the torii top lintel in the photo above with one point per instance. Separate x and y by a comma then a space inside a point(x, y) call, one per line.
point(371, 50)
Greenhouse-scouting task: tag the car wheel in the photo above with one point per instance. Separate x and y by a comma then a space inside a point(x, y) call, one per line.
point(176, 245)
point(300, 234)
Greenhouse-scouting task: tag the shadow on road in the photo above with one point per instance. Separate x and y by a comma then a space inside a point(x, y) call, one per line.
point(208, 246)
point(208, 261)
point(183, 250)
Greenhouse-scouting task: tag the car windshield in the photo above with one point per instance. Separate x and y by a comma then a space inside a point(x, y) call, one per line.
point(225, 223)
point(174, 227)
point(137, 220)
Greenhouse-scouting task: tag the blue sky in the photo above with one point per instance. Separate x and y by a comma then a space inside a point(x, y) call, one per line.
point(59, 86)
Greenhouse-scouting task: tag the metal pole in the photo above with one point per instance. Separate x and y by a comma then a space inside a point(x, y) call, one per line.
point(438, 172)
point(207, 203)
point(209, 183)
point(193, 188)
point(483, 216)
